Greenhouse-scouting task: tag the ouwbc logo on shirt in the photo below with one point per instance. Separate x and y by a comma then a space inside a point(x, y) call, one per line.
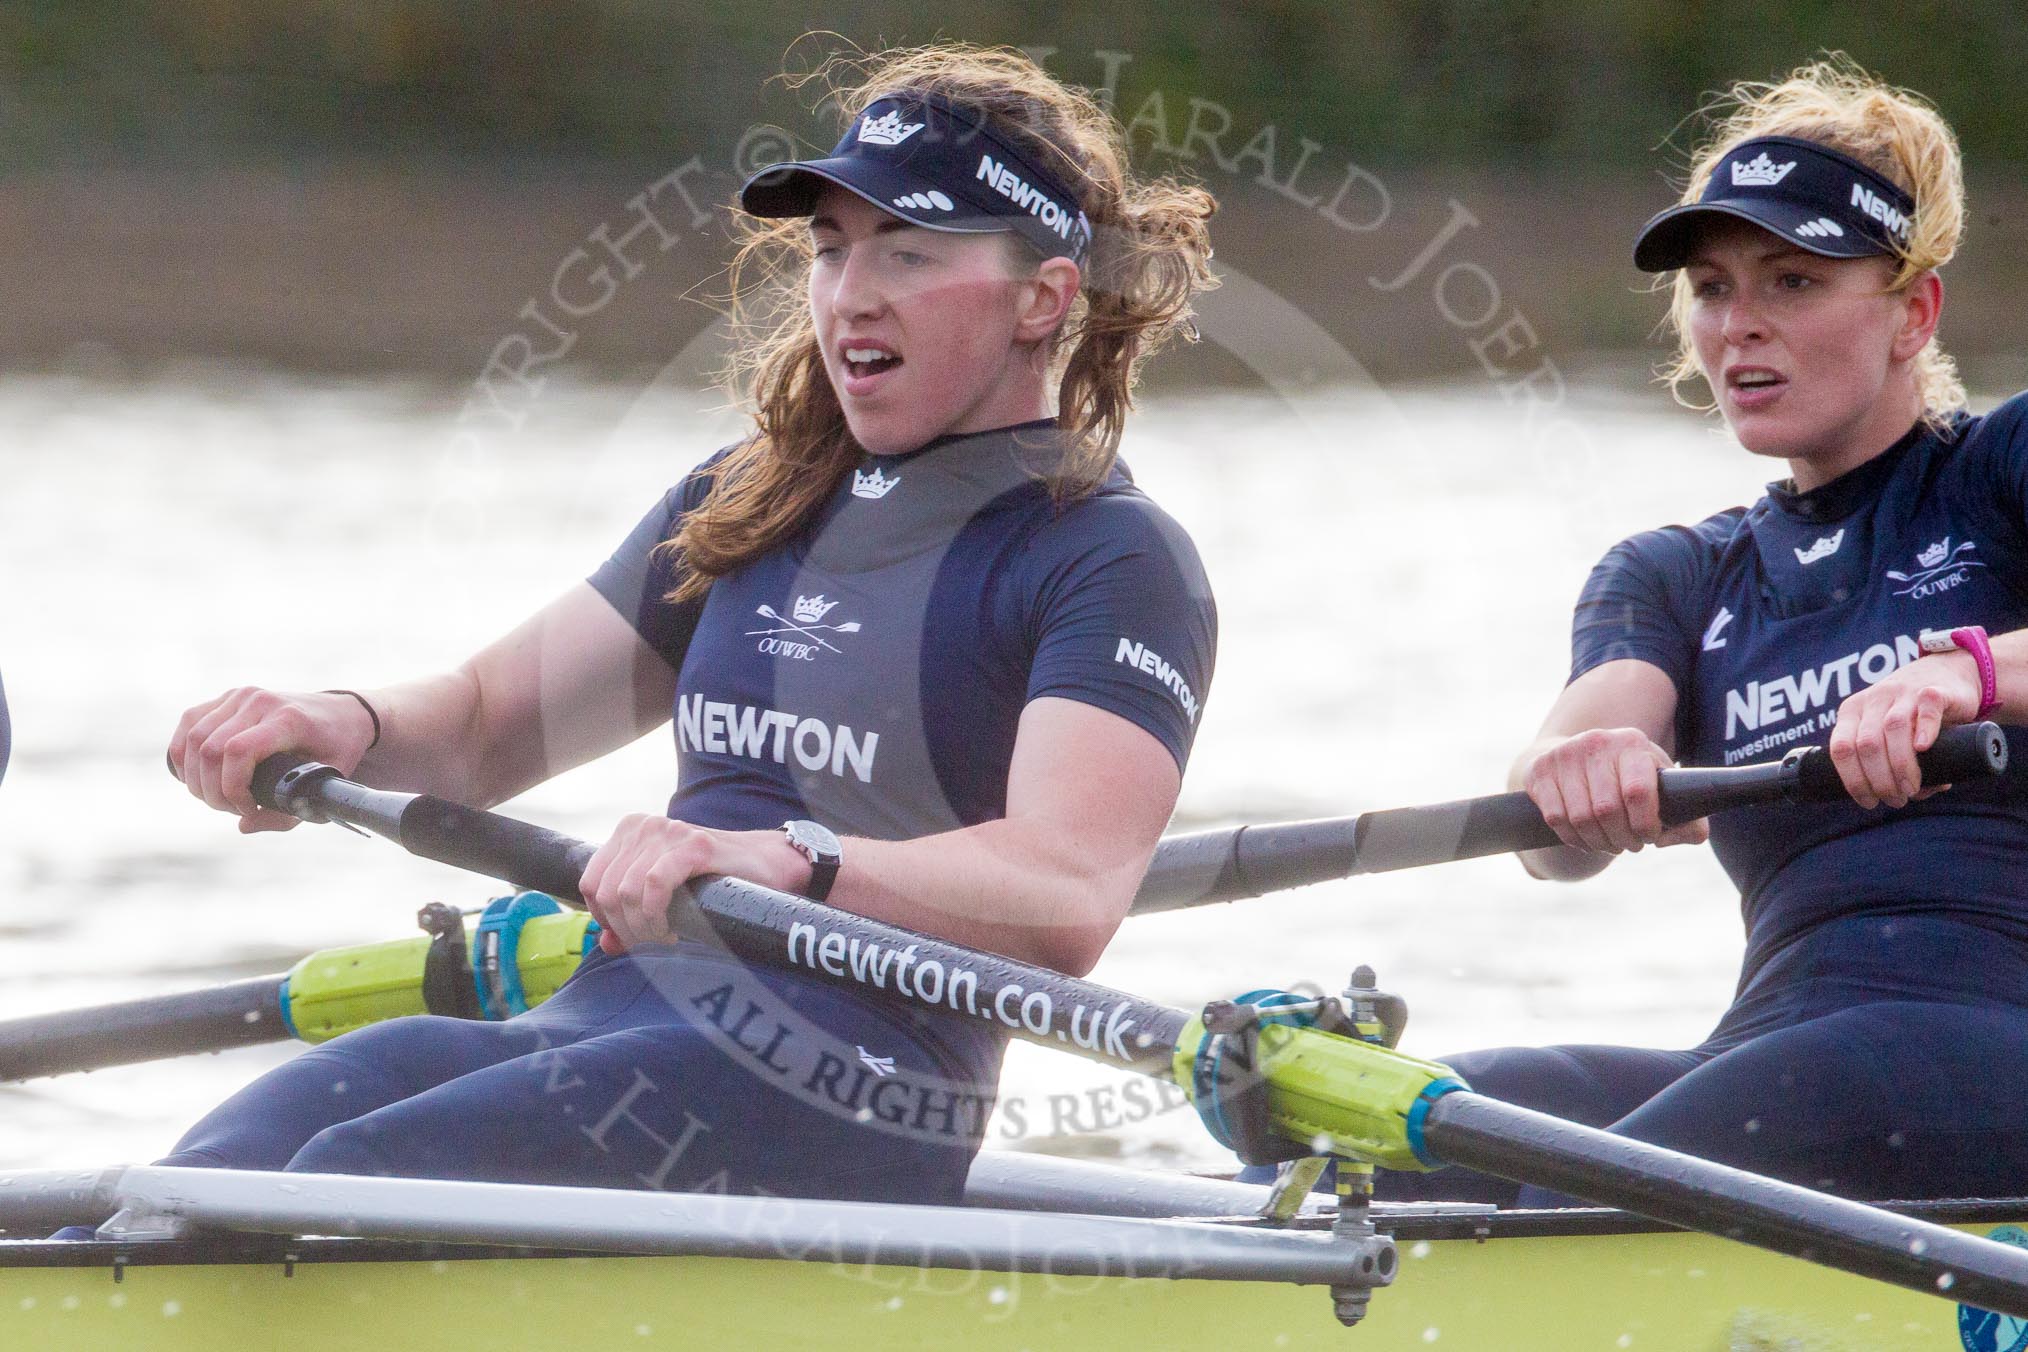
point(1938, 568)
point(802, 637)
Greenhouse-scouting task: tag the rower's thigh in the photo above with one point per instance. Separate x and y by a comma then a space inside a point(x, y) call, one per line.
point(665, 1107)
point(266, 1123)
point(1593, 1085)
point(1896, 1099)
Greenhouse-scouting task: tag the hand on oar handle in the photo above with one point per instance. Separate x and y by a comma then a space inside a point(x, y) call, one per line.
point(217, 744)
point(1601, 791)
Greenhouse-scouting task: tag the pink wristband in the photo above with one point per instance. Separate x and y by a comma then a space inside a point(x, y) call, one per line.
point(1972, 639)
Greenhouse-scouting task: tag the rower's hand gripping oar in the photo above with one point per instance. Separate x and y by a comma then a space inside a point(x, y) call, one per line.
point(1335, 1094)
point(1247, 861)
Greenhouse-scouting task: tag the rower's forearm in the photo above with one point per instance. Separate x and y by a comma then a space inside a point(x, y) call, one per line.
point(428, 741)
point(1014, 888)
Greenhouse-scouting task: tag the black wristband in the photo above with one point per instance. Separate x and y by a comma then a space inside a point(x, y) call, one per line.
point(369, 713)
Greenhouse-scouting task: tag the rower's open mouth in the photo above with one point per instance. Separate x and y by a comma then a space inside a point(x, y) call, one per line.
point(870, 361)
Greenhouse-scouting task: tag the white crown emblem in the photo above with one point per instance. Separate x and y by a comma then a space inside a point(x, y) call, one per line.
point(810, 609)
point(873, 484)
point(887, 131)
point(1823, 549)
point(1760, 172)
point(1935, 554)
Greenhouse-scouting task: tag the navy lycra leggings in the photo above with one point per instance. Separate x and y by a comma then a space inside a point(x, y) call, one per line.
point(1882, 1057)
point(671, 1069)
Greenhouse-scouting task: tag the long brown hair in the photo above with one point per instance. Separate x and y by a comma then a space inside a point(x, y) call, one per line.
point(1150, 254)
point(1895, 132)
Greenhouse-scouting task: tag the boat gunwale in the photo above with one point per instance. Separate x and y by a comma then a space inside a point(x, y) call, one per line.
point(1406, 1225)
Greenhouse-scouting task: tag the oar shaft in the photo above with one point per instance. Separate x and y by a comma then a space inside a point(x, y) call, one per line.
point(1499, 1138)
point(1246, 861)
point(149, 1029)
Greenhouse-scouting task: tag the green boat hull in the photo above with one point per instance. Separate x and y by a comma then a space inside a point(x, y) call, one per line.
point(1602, 1284)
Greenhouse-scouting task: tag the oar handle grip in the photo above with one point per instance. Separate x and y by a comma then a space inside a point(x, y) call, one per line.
point(1226, 865)
point(522, 853)
point(1960, 755)
point(530, 856)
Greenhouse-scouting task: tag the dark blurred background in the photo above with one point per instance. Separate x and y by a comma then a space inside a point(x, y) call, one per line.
point(383, 185)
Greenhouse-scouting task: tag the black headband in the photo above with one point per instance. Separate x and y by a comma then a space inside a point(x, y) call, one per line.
point(1811, 195)
point(934, 164)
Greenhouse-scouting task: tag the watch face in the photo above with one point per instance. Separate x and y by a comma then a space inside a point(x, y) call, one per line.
point(818, 839)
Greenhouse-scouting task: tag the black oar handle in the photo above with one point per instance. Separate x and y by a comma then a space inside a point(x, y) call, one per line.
point(521, 853)
point(464, 837)
point(1963, 754)
point(1230, 864)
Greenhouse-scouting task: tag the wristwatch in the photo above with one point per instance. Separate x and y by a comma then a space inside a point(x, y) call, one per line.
point(817, 844)
point(1971, 639)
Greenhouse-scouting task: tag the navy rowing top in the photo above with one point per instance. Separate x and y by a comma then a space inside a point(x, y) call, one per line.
point(1767, 617)
point(871, 674)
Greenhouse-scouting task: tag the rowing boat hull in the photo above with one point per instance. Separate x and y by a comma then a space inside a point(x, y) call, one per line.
point(1513, 1292)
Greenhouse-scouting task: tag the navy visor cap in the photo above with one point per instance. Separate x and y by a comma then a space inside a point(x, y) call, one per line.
point(937, 165)
point(1812, 196)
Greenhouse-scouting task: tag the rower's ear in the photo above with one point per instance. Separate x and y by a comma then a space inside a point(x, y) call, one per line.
point(1922, 300)
point(1045, 300)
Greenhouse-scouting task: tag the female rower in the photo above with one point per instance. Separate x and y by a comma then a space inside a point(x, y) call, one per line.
point(888, 627)
point(1878, 1040)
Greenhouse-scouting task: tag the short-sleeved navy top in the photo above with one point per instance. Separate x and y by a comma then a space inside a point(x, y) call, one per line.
point(1767, 617)
point(871, 674)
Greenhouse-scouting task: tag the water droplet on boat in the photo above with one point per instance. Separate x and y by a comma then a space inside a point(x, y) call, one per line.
point(28, 1302)
point(1946, 1282)
point(440, 1267)
point(290, 1188)
point(70, 1302)
point(252, 1016)
point(997, 1296)
point(1918, 1245)
point(863, 1115)
point(1624, 1340)
point(894, 1302)
point(1752, 1125)
point(1419, 1249)
point(171, 1308)
point(117, 1300)
point(1897, 1140)
point(1429, 1335)
point(337, 1086)
point(1321, 1143)
point(642, 1330)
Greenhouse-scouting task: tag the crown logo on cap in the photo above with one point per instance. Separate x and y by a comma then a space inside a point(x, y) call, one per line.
point(872, 485)
point(888, 130)
point(1760, 172)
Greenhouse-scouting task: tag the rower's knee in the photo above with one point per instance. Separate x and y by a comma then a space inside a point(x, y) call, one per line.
point(347, 1148)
